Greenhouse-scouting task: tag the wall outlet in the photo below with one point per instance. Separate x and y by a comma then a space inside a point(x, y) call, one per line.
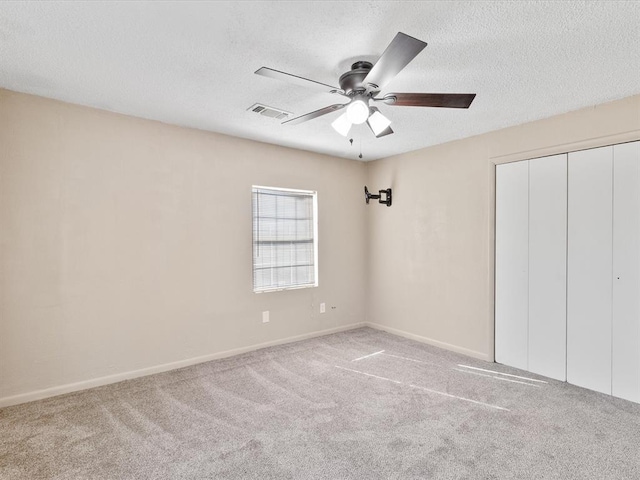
point(322, 308)
point(265, 316)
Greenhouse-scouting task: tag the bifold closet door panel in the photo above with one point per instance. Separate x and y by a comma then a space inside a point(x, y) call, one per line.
point(512, 230)
point(626, 271)
point(589, 268)
point(548, 266)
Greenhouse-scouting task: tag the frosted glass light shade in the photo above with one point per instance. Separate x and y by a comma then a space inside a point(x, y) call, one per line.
point(378, 123)
point(358, 112)
point(342, 124)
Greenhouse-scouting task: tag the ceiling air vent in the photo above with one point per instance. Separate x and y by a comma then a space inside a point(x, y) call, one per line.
point(269, 111)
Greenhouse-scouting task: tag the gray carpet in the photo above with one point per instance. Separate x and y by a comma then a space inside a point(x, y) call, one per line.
point(311, 410)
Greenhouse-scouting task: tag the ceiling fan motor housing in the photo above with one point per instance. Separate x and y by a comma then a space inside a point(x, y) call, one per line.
point(351, 81)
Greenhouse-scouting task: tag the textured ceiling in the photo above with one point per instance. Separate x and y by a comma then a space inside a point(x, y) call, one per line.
point(192, 63)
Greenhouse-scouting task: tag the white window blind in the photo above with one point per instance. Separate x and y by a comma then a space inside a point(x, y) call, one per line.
point(284, 239)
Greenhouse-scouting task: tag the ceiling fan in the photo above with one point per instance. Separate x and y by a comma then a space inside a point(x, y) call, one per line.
point(364, 81)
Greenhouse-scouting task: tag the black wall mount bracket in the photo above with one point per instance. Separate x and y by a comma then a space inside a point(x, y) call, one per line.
point(387, 196)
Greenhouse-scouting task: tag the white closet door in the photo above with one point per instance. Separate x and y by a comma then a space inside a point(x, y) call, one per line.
point(589, 262)
point(512, 227)
point(548, 266)
point(626, 271)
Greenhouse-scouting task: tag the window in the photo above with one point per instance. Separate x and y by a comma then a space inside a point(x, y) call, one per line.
point(285, 243)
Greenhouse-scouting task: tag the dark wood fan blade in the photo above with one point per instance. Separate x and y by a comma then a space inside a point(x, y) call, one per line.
point(318, 113)
point(398, 54)
point(444, 100)
point(303, 82)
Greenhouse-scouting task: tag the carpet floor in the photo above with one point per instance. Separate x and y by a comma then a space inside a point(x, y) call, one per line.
point(362, 404)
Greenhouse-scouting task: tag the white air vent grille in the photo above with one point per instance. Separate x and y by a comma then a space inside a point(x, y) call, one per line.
point(269, 111)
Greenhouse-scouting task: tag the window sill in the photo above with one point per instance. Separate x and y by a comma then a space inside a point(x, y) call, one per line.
point(281, 289)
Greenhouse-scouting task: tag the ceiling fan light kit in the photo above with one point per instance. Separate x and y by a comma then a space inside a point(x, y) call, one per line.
point(364, 81)
point(359, 112)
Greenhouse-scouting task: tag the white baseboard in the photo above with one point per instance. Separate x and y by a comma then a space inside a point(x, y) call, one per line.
point(143, 372)
point(430, 341)
point(119, 377)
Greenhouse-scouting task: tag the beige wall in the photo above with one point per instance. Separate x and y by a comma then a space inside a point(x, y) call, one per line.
point(125, 244)
point(431, 253)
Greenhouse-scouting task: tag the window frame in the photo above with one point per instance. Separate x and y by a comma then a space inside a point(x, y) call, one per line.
point(314, 195)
